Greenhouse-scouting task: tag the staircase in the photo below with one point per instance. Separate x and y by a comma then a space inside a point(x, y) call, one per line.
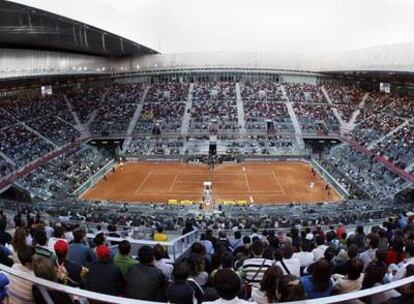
point(134, 120)
point(187, 112)
point(40, 135)
point(79, 126)
point(334, 109)
point(7, 159)
point(240, 112)
point(350, 125)
point(95, 112)
point(294, 119)
point(375, 142)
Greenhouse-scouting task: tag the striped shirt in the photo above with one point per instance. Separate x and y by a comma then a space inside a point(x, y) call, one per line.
point(253, 269)
point(20, 290)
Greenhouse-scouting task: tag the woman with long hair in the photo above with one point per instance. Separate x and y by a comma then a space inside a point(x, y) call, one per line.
point(269, 291)
point(19, 242)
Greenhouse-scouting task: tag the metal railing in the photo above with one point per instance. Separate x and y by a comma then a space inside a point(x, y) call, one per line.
point(115, 300)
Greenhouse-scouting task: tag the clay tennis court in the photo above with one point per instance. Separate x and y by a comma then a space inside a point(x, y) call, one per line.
point(262, 183)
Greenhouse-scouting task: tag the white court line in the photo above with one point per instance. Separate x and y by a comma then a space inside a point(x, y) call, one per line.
point(278, 182)
point(173, 183)
point(143, 182)
point(251, 199)
point(247, 182)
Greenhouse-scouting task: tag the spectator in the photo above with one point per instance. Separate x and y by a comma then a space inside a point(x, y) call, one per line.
point(228, 285)
point(409, 260)
point(79, 252)
point(4, 282)
point(160, 261)
point(68, 272)
point(371, 244)
point(104, 276)
point(269, 291)
point(160, 236)
point(319, 284)
point(19, 242)
point(41, 249)
point(286, 261)
point(376, 270)
point(122, 259)
point(353, 280)
point(319, 251)
point(5, 237)
point(253, 268)
point(183, 290)
point(43, 269)
point(145, 281)
point(20, 290)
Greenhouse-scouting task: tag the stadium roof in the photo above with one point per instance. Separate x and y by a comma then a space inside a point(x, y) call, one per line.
point(26, 27)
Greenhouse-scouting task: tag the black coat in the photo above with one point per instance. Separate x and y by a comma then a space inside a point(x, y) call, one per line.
point(104, 277)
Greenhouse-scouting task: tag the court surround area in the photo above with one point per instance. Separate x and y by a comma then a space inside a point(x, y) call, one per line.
point(253, 182)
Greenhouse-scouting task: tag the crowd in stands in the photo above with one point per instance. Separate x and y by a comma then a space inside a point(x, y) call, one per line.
point(265, 265)
point(63, 175)
point(257, 113)
point(316, 118)
point(399, 147)
point(368, 174)
point(85, 101)
point(5, 168)
point(163, 107)
point(261, 91)
point(214, 100)
point(22, 146)
point(305, 92)
point(116, 110)
point(150, 146)
point(375, 127)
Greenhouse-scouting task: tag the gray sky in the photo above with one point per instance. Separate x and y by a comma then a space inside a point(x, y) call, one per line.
point(264, 26)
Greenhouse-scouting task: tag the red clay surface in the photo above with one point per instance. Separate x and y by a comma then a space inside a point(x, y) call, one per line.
point(261, 183)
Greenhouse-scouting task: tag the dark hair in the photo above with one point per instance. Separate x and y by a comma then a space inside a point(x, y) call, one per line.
point(226, 260)
point(124, 247)
point(198, 248)
point(146, 255)
point(196, 264)
point(181, 272)
point(287, 251)
point(329, 253)
point(319, 240)
point(409, 248)
point(355, 268)
point(291, 292)
point(19, 239)
point(373, 240)
point(359, 229)
point(257, 248)
point(237, 234)
point(99, 239)
point(160, 229)
point(40, 237)
point(58, 231)
point(25, 255)
point(381, 255)
point(159, 252)
point(246, 240)
point(270, 283)
point(78, 235)
point(227, 284)
point(321, 275)
point(353, 251)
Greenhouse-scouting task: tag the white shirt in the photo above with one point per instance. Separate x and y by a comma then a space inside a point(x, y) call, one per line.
point(305, 258)
point(401, 272)
point(165, 268)
point(236, 300)
point(319, 252)
point(292, 264)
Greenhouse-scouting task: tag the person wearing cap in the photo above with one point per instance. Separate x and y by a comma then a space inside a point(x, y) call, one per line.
point(104, 276)
point(144, 280)
point(68, 272)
